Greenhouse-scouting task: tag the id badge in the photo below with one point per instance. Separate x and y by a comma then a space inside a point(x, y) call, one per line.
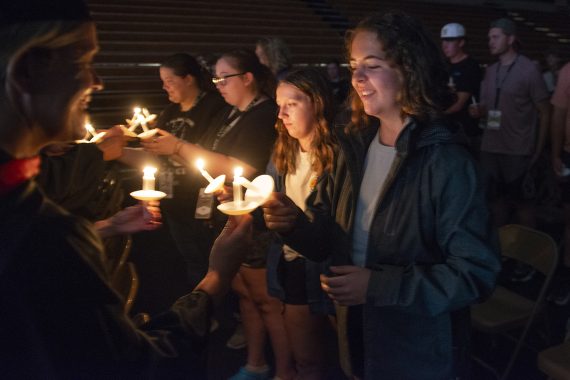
point(204, 205)
point(494, 119)
point(165, 182)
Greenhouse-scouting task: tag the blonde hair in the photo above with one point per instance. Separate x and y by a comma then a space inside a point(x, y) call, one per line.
point(17, 39)
point(277, 53)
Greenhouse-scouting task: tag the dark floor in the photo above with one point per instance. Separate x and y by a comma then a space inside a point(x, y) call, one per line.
point(161, 272)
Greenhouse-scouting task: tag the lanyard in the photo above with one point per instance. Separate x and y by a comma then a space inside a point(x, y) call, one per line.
point(498, 85)
point(232, 119)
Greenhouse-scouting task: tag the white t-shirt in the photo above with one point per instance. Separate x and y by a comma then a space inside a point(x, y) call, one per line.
point(376, 167)
point(298, 187)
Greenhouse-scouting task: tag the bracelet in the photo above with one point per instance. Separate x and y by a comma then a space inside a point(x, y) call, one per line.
point(178, 146)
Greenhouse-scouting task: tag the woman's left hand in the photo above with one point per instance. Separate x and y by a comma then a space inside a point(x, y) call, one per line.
point(349, 285)
point(163, 143)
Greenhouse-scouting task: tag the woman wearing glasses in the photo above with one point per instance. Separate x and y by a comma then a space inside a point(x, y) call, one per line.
point(243, 135)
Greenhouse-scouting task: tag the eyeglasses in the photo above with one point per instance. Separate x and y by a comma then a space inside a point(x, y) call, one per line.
point(222, 80)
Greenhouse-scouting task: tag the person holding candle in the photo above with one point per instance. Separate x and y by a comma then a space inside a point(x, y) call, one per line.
point(59, 317)
point(404, 219)
point(194, 104)
point(302, 157)
point(243, 136)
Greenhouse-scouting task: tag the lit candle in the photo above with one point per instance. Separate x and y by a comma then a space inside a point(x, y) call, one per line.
point(147, 117)
point(450, 83)
point(246, 183)
point(238, 171)
point(200, 165)
point(142, 122)
point(148, 178)
point(90, 129)
point(134, 122)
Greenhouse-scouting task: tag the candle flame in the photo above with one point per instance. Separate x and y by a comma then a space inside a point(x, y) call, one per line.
point(200, 163)
point(238, 171)
point(149, 171)
point(90, 128)
point(137, 110)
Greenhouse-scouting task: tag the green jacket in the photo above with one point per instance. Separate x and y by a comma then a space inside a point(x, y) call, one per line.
point(432, 251)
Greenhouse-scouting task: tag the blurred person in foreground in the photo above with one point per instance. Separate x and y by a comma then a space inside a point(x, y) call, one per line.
point(59, 317)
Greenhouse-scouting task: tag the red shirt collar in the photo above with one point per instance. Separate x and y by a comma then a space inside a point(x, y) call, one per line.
point(13, 173)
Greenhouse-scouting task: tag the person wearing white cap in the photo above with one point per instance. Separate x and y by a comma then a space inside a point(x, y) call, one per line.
point(464, 81)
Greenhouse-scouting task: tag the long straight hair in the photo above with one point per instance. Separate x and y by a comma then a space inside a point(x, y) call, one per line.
point(313, 84)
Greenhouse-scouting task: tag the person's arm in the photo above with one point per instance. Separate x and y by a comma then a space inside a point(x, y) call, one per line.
point(72, 178)
point(226, 256)
point(544, 126)
point(462, 98)
point(306, 232)
point(138, 158)
point(187, 154)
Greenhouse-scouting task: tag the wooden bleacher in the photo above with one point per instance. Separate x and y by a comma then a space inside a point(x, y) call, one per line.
point(136, 35)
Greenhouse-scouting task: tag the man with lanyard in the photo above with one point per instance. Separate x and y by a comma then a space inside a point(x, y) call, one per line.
point(514, 102)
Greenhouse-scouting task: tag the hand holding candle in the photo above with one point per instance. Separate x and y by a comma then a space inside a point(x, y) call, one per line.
point(257, 193)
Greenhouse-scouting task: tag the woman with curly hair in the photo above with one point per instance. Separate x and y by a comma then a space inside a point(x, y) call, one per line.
point(303, 156)
point(404, 221)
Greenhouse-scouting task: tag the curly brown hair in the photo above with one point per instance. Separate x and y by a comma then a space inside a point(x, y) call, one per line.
point(413, 52)
point(312, 83)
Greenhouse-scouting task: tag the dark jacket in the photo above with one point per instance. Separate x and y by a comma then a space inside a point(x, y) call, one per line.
point(317, 300)
point(59, 317)
point(432, 250)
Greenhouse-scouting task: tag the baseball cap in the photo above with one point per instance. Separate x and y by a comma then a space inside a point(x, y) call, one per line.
point(453, 30)
point(508, 26)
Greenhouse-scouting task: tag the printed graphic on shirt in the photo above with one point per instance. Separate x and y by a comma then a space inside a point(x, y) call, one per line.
point(178, 126)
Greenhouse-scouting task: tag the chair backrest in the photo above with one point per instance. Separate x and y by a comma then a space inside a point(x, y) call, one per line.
point(529, 246)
